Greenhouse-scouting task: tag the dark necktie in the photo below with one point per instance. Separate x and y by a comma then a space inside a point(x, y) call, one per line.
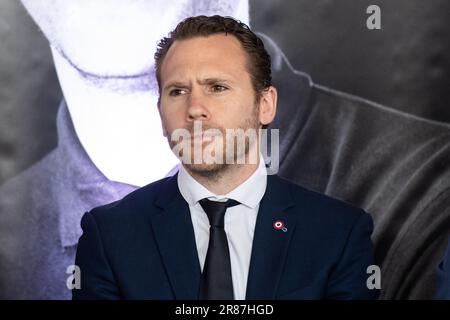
point(216, 282)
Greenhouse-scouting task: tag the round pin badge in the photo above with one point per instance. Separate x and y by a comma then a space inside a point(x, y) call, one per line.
point(278, 225)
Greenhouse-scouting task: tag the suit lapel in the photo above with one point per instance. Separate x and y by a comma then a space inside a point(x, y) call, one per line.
point(175, 239)
point(270, 245)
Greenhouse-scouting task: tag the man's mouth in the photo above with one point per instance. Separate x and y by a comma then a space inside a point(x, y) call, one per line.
point(204, 137)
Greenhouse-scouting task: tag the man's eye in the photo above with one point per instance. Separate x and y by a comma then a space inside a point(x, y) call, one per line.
point(176, 92)
point(218, 88)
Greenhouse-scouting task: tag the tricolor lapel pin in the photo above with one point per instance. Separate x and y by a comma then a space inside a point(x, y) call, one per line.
point(279, 225)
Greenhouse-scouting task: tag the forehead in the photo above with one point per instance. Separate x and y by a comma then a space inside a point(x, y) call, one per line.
point(218, 53)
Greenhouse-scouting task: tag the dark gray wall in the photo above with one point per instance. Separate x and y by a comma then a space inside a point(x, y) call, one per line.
point(405, 65)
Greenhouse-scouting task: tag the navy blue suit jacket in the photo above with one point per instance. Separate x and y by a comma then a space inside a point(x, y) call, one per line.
point(443, 276)
point(143, 247)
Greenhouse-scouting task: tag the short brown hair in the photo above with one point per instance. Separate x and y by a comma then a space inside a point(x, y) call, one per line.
point(259, 65)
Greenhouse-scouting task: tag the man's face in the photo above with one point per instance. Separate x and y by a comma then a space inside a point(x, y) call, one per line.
point(117, 37)
point(205, 79)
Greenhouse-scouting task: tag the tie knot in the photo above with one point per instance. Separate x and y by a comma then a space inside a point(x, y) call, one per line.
point(215, 210)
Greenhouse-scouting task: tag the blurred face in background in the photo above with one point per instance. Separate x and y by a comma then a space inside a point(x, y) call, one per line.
point(116, 38)
point(104, 57)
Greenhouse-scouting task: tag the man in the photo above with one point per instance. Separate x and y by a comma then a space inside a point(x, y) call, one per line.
point(279, 241)
point(390, 163)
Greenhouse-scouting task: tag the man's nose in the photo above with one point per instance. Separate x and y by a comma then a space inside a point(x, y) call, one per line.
point(197, 109)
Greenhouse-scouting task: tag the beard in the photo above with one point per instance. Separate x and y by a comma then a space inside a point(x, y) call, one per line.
point(227, 149)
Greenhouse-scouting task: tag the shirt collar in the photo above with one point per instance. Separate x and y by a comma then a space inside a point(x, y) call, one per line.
point(249, 193)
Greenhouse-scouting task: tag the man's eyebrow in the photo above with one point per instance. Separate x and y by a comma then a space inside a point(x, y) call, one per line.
point(176, 84)
point(206, 81)
point(209, 81)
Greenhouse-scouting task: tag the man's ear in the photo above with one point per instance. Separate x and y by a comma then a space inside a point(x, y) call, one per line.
point(268, 105)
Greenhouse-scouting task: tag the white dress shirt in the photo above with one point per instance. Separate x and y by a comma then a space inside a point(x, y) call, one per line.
point(239, 220)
